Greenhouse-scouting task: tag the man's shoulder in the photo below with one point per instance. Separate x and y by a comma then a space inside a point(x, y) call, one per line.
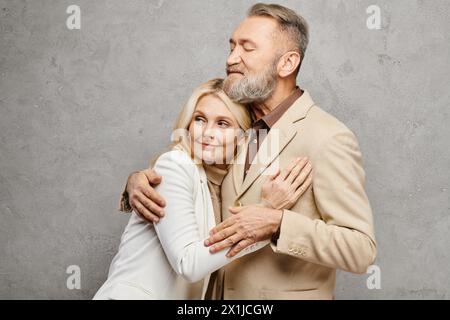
point(322, 124)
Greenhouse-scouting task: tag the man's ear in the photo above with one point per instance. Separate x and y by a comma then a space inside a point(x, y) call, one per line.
point(288, 63)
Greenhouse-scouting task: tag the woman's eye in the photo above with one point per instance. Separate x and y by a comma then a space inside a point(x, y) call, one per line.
point(223, 124)
point(199, 119)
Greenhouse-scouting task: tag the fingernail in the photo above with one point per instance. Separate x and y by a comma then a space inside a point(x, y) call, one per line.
point(206, 243)
point(162, 213)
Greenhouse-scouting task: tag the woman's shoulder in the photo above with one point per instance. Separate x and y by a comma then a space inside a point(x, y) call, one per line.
point(175, 156)
point(176, 161)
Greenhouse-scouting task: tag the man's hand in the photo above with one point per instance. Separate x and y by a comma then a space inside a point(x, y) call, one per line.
point(283, 189)
point(248, 225)
point(145, 201)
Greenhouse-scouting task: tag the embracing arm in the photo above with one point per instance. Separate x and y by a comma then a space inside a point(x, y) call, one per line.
point(343, 238)
point(139, 195)
point(178, 231)
point(254, 223)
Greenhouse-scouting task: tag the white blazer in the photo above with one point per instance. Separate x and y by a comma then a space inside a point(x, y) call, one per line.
point(169, 260)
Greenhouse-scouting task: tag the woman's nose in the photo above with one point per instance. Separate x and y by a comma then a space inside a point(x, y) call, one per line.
point(208, 132)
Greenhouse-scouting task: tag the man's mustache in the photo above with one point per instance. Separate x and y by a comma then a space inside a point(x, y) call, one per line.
point(234, 69)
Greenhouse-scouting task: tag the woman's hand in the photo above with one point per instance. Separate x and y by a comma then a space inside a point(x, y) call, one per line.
point(283, 189)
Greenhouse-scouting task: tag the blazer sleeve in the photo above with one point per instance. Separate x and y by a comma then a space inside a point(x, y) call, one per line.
point(178, 231)
point(124, 202)
point(343, 238)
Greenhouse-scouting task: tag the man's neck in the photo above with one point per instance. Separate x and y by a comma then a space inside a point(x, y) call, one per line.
point(281, 92)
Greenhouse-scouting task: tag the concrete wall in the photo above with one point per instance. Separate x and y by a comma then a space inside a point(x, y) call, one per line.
point(80, 109)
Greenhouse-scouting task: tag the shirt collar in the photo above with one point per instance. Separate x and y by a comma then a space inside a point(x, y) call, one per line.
point(272, 117)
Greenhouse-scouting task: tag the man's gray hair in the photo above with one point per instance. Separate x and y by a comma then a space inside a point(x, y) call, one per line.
point(292, 24)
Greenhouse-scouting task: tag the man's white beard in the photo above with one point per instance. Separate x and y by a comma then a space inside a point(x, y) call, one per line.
point(252, 88)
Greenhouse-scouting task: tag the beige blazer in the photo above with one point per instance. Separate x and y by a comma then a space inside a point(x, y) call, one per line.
point(329, 228)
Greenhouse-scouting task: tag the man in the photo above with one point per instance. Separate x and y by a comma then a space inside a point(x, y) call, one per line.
point(330, 227)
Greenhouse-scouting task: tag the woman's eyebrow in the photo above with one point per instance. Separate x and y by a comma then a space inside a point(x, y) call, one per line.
point(197, 112)
point(224, 118)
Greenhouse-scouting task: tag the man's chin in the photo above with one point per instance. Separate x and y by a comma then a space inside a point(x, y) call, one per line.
point(230, 83)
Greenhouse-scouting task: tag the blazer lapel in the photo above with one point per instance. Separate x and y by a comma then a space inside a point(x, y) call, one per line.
point(239, 166)
point(275, 141)
point(279, 136)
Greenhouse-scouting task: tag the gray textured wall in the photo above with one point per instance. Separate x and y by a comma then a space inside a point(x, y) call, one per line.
point(80, 109)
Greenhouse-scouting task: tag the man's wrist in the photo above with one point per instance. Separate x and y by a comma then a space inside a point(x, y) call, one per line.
point(266, 204)
point(125, 199)
point(128, 180)
point(277, 231)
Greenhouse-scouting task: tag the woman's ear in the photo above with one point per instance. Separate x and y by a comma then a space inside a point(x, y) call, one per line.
point(289, 62)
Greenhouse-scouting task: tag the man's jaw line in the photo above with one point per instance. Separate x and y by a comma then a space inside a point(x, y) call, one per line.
point(260, 108)
point(268, 105)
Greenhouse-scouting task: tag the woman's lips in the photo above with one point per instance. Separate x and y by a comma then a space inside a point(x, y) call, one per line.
point(207, 145)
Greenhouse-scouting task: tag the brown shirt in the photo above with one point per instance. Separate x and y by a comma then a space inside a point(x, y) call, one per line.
point(261, 127)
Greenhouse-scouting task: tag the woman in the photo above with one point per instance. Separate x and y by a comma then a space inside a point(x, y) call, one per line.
point(168, 260)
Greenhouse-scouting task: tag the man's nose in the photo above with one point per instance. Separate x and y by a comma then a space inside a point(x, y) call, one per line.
point(234, 57)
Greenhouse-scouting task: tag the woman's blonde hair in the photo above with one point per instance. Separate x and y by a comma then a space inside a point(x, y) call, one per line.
point(180, 138)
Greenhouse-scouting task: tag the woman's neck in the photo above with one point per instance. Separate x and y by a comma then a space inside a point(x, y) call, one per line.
point(215, 172)
point(223, 166)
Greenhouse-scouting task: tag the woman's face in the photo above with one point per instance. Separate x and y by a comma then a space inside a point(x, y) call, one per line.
point(213, 131)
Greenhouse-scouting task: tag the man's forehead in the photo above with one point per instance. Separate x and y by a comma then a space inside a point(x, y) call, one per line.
point(253, 28)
